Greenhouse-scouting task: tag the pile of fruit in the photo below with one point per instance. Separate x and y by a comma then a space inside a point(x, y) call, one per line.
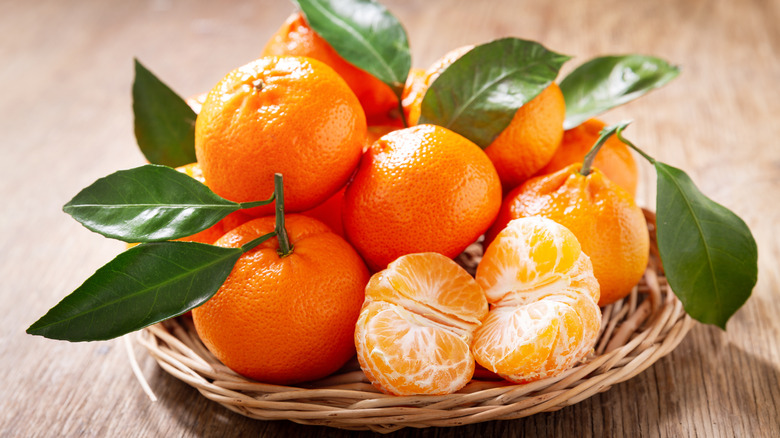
point(322, 191)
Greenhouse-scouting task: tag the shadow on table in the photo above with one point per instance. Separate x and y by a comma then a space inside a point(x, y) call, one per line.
point(203, 418)
point(708, 385)
point(739, 387)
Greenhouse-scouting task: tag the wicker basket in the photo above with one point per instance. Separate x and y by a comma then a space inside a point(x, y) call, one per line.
point(636, 332)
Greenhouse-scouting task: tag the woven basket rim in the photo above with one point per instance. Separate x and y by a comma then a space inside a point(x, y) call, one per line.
point(636, 332)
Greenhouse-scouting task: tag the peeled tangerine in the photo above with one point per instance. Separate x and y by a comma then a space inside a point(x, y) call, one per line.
point(544, 315)
point(416, 326)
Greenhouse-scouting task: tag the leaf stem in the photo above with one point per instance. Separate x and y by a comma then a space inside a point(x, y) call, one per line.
point(252, 244)
point(245, 205)
point(620, 137)
point(285, 248)
point(605, 133)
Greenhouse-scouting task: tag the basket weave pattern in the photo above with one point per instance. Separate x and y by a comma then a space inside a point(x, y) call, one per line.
point(636, 332)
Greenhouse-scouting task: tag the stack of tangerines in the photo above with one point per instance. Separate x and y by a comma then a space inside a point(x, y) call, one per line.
point(367, 195)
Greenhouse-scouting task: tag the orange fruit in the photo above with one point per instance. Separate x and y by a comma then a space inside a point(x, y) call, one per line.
point(329, 212)
point(374, 133)
point(290, 115)
point(296, 38)
point(529, 141)
point(543, 317)
point(608, 224)
point(287, 319)
point(614, 158)
point(419, 189)
point(211, 234)
point(414, 332)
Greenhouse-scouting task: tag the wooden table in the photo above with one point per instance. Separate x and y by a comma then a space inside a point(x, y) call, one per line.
point(66, 120)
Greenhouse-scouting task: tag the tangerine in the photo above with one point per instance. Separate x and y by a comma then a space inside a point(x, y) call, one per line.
point(608, 224)
point(330, 211)
point(414, 332)
point(543, 295)
point(374, 133)
point(614, 158)
point(285, 319)
point(296, 38)
point(290, 115)
point(529, 141)
point(419, 189)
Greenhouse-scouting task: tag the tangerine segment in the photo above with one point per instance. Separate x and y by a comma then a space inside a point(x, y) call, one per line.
point(415, 329)
point(527, 255)
point(403, 353)
point(431, 284)
point(545, 315)
point(537, 340)
point(517, 340)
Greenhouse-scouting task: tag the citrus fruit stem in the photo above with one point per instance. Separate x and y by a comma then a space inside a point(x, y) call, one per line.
point(605, 133)
point(619, 135)
point(253, 243)
point(245, 205)
point(285, 248)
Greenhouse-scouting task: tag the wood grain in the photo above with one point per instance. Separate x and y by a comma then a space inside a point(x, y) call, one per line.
point(66, 120)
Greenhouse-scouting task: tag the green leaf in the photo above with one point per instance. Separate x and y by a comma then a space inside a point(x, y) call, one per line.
point(365, 34)
point(148, 203)
point(142, 286)
point(479, 93)
point(164, 123)
point(708, 252)
point(609, 81)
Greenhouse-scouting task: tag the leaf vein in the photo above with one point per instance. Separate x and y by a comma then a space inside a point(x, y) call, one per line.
point(171, 280)
point(359, 38)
